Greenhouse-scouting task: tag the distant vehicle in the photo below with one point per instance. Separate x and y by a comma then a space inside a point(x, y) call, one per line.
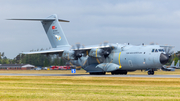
point(60, 67)
point(45, 68)
point(172, 67)
point(38, 68)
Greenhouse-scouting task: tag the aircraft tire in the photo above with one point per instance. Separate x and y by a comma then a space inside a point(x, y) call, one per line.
point(98, 73)
point(150, 72)
point(123, 73)
point(103, 73)
point(119, 73)
point(112, 73)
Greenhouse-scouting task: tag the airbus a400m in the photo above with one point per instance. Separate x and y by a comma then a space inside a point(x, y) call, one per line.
point(99, 59)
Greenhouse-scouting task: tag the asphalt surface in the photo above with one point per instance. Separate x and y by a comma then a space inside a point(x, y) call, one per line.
point(87, 75)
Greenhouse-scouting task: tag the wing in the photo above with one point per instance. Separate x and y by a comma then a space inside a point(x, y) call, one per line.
point(44, 52)
point(56, 51)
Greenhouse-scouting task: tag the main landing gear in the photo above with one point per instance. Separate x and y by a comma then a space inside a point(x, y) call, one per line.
point(151, 72)
point(97, 73)
point(119, 73)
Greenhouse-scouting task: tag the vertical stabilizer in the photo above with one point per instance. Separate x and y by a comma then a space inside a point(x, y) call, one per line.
point(54, 32)
point(177, 64)
point(172, 65)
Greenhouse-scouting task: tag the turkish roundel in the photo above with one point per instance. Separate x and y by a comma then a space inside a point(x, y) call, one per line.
point(53, 27)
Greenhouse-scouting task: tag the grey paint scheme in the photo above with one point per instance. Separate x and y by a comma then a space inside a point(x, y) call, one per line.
point(144, 60)
point(57, 31)
point(122, 57)
point(172, 67)
point(177, 64)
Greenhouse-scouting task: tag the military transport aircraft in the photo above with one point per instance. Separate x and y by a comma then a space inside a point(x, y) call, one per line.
point(99, 59)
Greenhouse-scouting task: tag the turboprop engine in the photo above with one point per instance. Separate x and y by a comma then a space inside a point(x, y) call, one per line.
point(68, 55)
point(95, 52)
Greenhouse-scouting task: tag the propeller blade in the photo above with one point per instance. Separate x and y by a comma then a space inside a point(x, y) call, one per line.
point(78, 46)
point(72, 47)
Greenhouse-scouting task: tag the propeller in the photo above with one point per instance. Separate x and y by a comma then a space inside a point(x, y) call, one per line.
point(164, 57)
point(106, 51)
point(77, 52)
point(105, 43)
point(152, 43)
point(168, 51)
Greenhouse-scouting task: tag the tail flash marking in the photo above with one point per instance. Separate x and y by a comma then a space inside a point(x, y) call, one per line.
point(58, 37)
point(53, 27)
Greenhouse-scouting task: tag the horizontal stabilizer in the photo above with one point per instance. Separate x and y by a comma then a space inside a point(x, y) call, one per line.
point(44, 52)
point(43, 19)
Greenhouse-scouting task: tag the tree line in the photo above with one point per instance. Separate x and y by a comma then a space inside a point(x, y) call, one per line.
point(34, 59)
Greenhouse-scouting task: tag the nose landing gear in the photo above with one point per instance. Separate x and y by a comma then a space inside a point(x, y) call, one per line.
point(151, 72)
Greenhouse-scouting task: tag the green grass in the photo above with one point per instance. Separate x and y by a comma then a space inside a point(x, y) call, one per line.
point(32, 88)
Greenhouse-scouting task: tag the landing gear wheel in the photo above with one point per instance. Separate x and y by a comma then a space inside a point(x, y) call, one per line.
point(119, 73)
point(103, 73)
point(97, 73)
point(123, 73)
point(150, 72)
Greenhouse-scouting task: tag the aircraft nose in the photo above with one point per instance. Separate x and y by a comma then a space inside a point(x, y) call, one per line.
point(164, 58)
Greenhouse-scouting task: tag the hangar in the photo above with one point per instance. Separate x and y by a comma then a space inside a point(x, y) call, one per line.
point(16, 66)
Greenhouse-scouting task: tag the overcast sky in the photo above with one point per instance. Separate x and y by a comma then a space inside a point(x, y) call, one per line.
point(91, 22)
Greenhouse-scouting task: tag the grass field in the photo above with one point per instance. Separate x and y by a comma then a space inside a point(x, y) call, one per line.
point(42, 88)
point(31, 88)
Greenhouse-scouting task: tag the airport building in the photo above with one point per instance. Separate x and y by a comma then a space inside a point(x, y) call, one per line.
point(16, 67)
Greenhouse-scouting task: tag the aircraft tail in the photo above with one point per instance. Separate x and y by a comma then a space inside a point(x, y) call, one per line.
point(53, 30)
point(172, 64)
point(177, 64)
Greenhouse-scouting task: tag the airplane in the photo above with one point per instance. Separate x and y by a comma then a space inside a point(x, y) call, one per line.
point(177, 65)
point(172, 67)
point(99, 59)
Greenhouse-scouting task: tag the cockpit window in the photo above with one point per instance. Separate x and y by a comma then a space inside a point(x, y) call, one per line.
point(161, 50)
point(157, 50)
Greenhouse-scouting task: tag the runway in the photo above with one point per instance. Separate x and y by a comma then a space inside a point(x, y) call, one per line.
point(87, 75)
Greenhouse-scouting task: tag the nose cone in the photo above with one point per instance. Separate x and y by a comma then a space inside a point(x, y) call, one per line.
point(164, 58)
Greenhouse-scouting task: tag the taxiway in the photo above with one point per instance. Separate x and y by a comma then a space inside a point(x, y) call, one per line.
point(87, 75)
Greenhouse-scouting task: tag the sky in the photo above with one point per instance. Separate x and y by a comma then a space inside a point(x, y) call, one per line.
point(91, 22)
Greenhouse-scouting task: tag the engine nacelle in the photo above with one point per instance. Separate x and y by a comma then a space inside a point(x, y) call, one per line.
point(95, 52)
point(68, 55)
